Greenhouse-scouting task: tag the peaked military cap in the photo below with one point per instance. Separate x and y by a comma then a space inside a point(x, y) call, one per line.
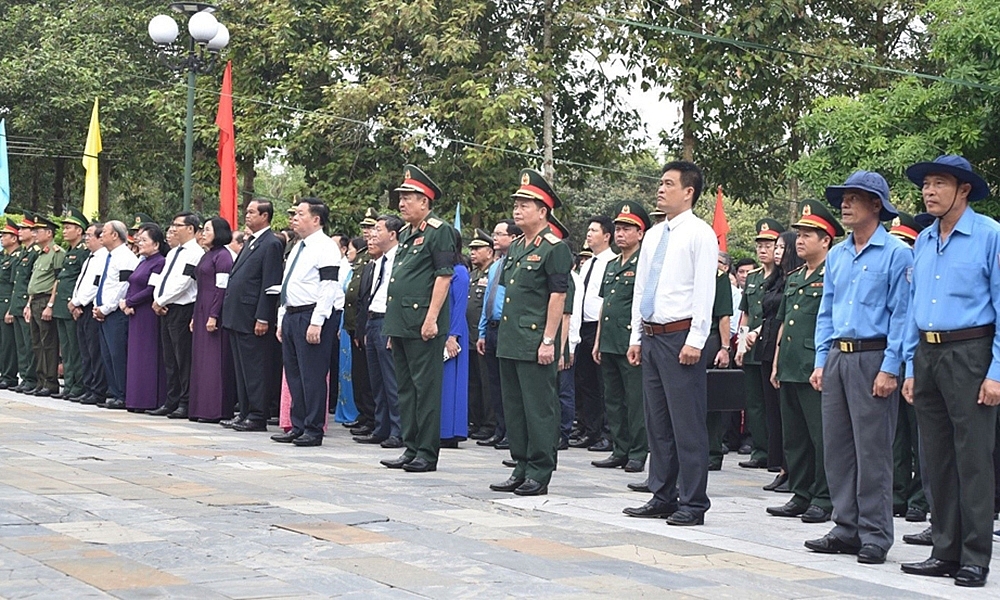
point(656, 216)
point(291, 210)
point(371, 217)
point(44, 223)
point(815, 215)
point(586, 252)
point(415, 180)
point(481, 239)
point(632, 213)
point(27, 221)
point(534, 187)
point(75, 217)
point(557, 227)
point(768, 230)
point(10, 227)
point(139, 220)
point(906, 227)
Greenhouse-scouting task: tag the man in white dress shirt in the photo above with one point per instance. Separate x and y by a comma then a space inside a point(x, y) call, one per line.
point(671, 319)
point(88, 329)
point(308, 321)
point(174, 293)
point(111, 288)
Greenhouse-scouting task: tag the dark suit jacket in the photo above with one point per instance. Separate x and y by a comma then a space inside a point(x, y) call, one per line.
point(258, 267)
point(365, 297)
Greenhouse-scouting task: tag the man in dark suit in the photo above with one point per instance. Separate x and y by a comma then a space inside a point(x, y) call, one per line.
point(249, 313)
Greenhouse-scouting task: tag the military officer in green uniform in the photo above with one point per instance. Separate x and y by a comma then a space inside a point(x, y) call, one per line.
point(717, 349)
point(801, 404)
point(417, 317)
point(73, 226)
point(363, 399)
point(481, 418)
point(536, 277)
point(751, 318)
point(622, 380)
point(8, 346)
point(41, 302)
point(19, 300)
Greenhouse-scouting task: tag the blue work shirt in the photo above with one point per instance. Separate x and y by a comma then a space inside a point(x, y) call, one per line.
point(956, 283)
point(492, 313)
point(866, 295)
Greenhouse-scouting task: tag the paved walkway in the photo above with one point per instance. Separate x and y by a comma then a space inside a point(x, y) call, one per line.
point(102, 504)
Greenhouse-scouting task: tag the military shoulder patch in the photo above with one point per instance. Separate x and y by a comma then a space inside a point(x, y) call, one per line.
point(434, 222)
point(552, 238)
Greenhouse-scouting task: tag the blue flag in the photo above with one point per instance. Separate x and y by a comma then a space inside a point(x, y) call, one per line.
point(4, 169)
point(458, 216)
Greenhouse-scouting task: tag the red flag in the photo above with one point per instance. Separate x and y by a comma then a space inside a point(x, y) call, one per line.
point(719, 222)
point(227, 150)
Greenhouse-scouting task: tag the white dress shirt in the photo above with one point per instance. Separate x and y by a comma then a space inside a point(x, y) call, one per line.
point(85, 289)
point(734, 322)
point(574, 318)
point(592, 301)
point(177, 284)
point(305, 284)
point(381, 294)
point(686, 288)
point(114, 284)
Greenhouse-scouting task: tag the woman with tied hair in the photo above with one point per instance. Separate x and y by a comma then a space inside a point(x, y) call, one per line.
point(213, 377)
point(145, 377)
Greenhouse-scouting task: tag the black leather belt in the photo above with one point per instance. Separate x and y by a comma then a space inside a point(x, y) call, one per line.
point(848, 345)
point(297, 309)
point(652, 329)
point(957, 335)
point(374, 315)
point(493, 324)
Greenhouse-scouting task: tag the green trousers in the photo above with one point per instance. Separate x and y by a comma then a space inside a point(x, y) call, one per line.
point(756, 414)
point(70, 350)
point(8, 354)
point(623, 407)
point(802, 432)
point(531, 412)
point(25, 355)
point(419, 379)
point(45, 344)
point(907, 487)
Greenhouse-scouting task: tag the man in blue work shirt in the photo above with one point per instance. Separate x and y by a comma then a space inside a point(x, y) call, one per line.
point(859, 351)
point(952, 353)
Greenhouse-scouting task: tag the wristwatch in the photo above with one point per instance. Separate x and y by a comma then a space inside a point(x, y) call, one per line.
point(50, 305)
point(547, 341)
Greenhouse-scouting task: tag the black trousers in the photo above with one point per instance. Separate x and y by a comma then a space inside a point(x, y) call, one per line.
point(493, 375)
point(252, 378)
point(364, 399)
point(306, 368)
point(175, 338)
point(589, 384)
point(88, 332)
point(772, 409)
point(334, 391)
point(480, 403)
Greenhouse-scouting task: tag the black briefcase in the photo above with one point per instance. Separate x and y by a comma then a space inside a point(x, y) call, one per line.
point(726, 390)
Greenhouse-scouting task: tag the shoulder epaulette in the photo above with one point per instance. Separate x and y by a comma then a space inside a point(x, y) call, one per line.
point(404, 228)
point(757, 269)
point(797, 269)
point(551, 238)
point(720, 273)
point(434, 222)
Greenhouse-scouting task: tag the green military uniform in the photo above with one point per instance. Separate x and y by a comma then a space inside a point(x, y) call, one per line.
point(535, 269)
point(353, 291)
point(76, 257)
point(425, 253)
point(622, 381)
point(25, 260)
point(716, 421)
point(45, 333)
point(8, 345)
point(481, 416)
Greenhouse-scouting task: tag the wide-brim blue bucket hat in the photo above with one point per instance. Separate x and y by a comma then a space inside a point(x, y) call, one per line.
point(870, 182)
point(954, 165)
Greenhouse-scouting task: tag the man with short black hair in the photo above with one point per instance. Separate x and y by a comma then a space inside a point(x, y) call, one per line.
point(88, 330)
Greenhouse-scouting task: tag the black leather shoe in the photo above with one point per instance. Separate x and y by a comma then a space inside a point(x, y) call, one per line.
point(915, 515)
point(919, 539)
point(509, 463)
point(77, 399)
point(971, 576)
point(611, 462)
point(783, 488)
point(230, 423)
point(208, 421)
point(602, 445)
point(250, 425)
point(898, 510)
point(715, 466)
point(932, 567)
point(368, 439)
point(156, 412)
point(639, 487)
point(273, 421)
point(507, 486)
point(490, 441)
point(115, 404)
point(754, 463)
point(90, 400)
point(815, 514)
point(287, 438)
point(450, 443)
point(503, 444)
point(584, 442)
point(419, 465)
point(57, 395)
point(778, 480)
point(482, 434)
point(308, 440)
point(563, 444)
point(180, 413)
point(361, 431)
point(651, 510)
point(391, 442)
point(350, 424)
point(634, 466)
point(788, 509)
point(685, 518)
point(530, 487)
point(870, 554)
point(397, 463)
point(831, 544)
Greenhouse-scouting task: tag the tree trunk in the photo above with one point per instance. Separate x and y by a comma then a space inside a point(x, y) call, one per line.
point(35, 184)
point(58, 190)
point(548, 166)
point(104, 168)
point(793, 183)
point(687, 127)
point(249, 177)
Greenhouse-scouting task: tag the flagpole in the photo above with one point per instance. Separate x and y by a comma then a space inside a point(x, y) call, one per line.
point(189, 139)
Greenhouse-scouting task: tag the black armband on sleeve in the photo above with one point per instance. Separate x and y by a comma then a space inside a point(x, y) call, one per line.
point(329, 273)
point(443, 260)
point(123, 276)
point(189, 271)
point(558, 283)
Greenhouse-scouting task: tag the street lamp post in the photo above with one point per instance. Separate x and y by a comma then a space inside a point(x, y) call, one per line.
point(207, 38)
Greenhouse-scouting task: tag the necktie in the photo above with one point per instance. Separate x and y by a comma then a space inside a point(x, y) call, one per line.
point(291, 269)
point(173, 261)
point(491, 294)
point(381, 273)
point(83, 274)
point(648, 303)
point(100, 286)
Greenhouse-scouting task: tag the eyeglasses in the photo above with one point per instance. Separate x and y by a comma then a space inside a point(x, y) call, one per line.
point(176, 225)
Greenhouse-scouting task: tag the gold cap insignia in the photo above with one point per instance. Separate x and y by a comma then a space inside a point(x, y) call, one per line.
point(626, 210)
point(525, 179)
point(896, 222)
point(407, 175)
point(806, 210)
point(765, 227)
point(138, 221)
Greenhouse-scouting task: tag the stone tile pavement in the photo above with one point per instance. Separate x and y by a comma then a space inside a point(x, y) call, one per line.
point(100, 504)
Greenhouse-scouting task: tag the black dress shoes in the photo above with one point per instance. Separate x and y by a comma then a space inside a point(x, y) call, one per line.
point(114, 404)
point(308, 440)
point(563, 444)
point(349, 425)
point(391, 442)
point(230, 423)
point(971, 576)
point(397, 463)
point(180, 413)
point(715, 466)
point(530, 487)
point(639, 487)
point(91, 400)
point(287, 438)
point(490, 441)
point(250, 425)
point(503, 444)
point(611, 462)
point(208, 421)
point(870, 554)
point(43, 393)
point(77, 398)
point(368, 439)
point(932, 567)
point(685, 518)
point(602, 445)
point(919, 539)
point(815, 514)
point(584, 442)
point(482, 434)
point(754, 463)
point(450, 443)
point(156, 412)
point(419, 465)
point(507, 486)
point(58, 395)
point(634, 466)
point(831, 544)
point(778, 480)
point(915, 515)
point(509, 463)
point(361, 431)
point(651, 510)
point(788, 509)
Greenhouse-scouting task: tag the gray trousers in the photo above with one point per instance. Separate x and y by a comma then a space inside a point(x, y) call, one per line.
point(675, 398)
point(957, 436)
point(858, 431)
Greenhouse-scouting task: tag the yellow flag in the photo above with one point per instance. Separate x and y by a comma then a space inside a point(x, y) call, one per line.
point(91, 204)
